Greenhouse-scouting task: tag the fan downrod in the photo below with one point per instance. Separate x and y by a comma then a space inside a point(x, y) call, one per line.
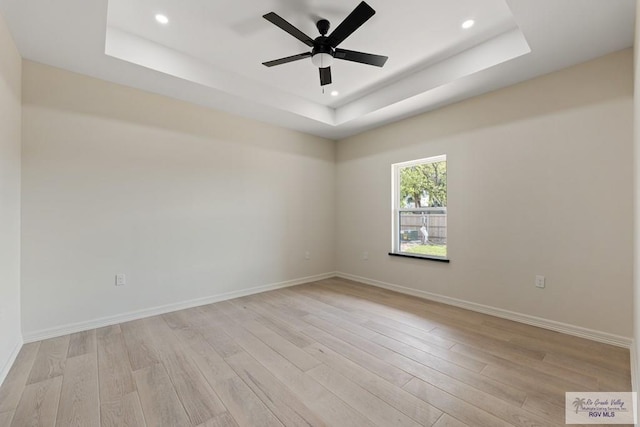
point(323, 26)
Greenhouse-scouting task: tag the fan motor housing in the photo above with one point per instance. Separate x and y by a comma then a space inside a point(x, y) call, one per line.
point(320, 45)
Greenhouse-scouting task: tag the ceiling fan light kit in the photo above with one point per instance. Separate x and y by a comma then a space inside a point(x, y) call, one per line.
point(322, 60)
point(324, 49)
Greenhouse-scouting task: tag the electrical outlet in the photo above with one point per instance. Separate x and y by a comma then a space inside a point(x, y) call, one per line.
point(540, 282)
point(365, 256)
point(307, 255)
point(121, 279)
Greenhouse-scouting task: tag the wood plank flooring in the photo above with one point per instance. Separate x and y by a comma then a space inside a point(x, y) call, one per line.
point(329, 353)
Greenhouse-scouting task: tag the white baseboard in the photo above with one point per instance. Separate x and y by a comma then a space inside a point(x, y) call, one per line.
point(566, 328)
point(569, 329)
point(633, 358)
point(9, 362)
point(153, 311)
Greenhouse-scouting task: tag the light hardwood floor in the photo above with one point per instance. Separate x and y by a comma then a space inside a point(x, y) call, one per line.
point(333, 352)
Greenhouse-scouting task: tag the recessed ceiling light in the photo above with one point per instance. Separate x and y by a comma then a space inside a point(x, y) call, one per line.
point(162, 19)
point(468, 24)
point(335, 93)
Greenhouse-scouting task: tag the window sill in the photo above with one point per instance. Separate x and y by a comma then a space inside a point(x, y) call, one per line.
point(425, 257)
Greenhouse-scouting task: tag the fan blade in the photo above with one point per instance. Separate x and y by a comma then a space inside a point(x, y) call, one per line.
point(361, 57)
point(359, 16)
point(325, 76)
point(287, 59)
point(278, 21)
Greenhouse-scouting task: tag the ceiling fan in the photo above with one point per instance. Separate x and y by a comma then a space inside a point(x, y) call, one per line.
point(325, 48)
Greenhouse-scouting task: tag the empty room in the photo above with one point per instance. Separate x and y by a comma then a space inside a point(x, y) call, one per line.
point(236, 213)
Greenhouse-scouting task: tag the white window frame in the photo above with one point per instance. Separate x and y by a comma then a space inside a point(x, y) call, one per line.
point(396, 209)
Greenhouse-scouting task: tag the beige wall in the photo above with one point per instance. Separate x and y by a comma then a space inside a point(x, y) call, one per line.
point(187, 202)
point(540, 182)
point(191, 203)
point(10, 113)
point(635, 368)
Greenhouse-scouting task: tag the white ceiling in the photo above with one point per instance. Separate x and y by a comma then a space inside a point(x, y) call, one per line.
point(211, 52)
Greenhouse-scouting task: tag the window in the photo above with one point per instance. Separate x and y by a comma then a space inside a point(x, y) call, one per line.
point(420, 208)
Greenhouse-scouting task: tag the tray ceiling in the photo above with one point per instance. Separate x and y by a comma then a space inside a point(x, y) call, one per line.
point(211, 53)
